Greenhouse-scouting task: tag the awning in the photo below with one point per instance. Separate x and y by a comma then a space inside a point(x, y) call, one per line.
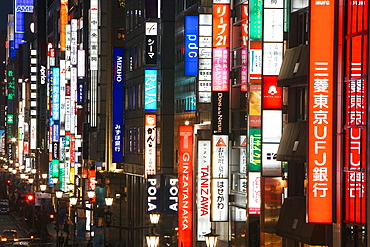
point(293, 143)
point(294, 69)
point(292, 223)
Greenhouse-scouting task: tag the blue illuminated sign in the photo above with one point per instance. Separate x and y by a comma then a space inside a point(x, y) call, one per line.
point(191, 46)
point(55, 93)
point(150, 89)
point(118, 108)
point(80, 92)
point(21, 7)
point(55, 132)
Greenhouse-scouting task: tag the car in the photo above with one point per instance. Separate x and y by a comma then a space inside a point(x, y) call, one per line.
point(4, 207)
point(9, 235)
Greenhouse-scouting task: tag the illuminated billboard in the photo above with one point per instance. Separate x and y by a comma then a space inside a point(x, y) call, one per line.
point(56, 94)
point(150, 90)
point(204, 189)
point(21, 7)
point(63, 23)
point(191, 46)
point(118, 105)
point(150, 144)
point(185, 173)
point(254, 193)
point(320, 109)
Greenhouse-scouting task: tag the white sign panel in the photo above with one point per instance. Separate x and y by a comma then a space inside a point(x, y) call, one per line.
point(273, 25)
point(81, 63)
point(272, 58)
point(94, 35)
point(204, 189)
point(273, 4)
point(272, 132)
point(151, 28)
point(270, 166)
point(33, 133)
point(205, 64)
point(220, 199)
point(243, 154)
point(254, 192)
point(220, 156)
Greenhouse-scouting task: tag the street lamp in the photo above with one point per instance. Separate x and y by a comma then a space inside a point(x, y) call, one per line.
point(73, 202)
point(108, 215)
point(91, 194)
point(43, 187)
point(58, 194)
point(152, 240)
point(154, 218)
point(211, 239)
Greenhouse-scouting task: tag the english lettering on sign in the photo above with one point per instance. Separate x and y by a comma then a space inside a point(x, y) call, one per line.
point(174, 192)
point(152, 195)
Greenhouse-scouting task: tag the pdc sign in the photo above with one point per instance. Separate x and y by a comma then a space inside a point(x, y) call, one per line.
point(191, 46)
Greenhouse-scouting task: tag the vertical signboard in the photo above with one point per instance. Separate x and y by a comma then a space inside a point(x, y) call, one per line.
point(221, 44)
point(150, 144)
point(254, 193)
point(205, 58)
point(320, 109)
point(21, 7)
point(117, 105)
point(220, 175)
point(171, 195)
point(191, 46)
point(55, 94)
point(220, 112)
point(151, 42)
point(185, 173)
point(204, 189)
point(153, 194)
point(63, 23)
point(150, 90)
point(355, 141)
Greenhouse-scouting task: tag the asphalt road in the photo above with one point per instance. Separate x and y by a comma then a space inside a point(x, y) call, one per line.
point(7, 222)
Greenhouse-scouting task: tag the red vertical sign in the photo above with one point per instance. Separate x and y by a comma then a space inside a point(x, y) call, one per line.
point(355, 113)
point(185, 171)
point(320, 108)
point(92, 182)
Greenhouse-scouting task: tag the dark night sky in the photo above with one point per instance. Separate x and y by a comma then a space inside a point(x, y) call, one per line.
point(5, 9)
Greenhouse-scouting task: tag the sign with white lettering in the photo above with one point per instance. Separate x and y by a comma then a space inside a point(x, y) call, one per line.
point(185, 173)
point(118, 105)
point(153, 194)
point(204, 189)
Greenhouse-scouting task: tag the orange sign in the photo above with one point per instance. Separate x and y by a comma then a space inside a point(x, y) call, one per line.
point(63, 23)
point(320, 108)
point(221, 25)
point(185, 171)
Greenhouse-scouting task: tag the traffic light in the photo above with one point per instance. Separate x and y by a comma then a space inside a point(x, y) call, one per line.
point(8, 181)
point(30, 197)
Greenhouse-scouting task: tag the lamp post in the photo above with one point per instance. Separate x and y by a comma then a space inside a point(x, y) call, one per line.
point(211, 239)
point(153, 239)
point(58, 194)
point(73, 202)
point(108, 216)
point(91, 194)
point(43, 187)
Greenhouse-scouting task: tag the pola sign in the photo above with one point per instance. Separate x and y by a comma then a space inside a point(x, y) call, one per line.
point(153, 193)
